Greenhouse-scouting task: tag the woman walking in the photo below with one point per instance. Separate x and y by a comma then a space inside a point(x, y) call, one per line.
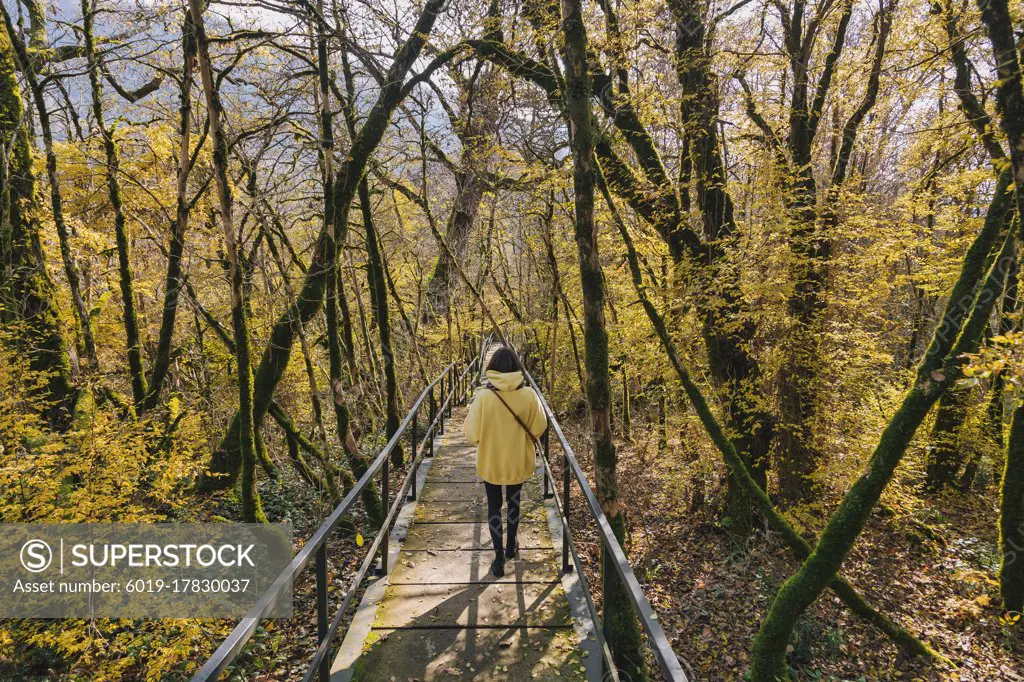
point(504, 422)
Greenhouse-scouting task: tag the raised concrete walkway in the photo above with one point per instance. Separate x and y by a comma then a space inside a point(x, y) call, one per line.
point(441, 615)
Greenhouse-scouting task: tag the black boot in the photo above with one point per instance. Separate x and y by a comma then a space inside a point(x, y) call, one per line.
point(498, 565)
point(512, 551)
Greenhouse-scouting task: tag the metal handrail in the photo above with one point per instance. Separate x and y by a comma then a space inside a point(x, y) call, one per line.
point(381, 541)
point(232, 646)
point(569, 547)
point(669, 663)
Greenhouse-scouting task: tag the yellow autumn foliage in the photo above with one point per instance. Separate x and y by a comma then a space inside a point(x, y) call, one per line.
point(104, 469)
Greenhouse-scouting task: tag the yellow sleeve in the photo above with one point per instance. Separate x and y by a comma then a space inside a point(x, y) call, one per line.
point(538, 422)
point(471, 427)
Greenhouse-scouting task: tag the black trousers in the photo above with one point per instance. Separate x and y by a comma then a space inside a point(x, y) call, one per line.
point(494, 501)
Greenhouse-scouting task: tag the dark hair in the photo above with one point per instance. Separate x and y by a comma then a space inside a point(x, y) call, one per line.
point(504, 360)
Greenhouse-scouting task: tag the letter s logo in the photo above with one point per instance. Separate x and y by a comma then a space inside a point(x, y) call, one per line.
point(36, 556)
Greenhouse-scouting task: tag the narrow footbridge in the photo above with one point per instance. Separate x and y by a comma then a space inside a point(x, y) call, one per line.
point(430, 609)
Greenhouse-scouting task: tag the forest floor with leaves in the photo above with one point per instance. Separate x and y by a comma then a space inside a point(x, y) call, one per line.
point(931, 567)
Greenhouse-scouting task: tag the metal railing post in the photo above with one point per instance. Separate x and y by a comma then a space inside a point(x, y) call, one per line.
point(324, 672)
point(545, 441)
point(416, 466)
point(433, 415)
point(440, 424)
point(385, 484)
point(566, 566)
point(451, 384)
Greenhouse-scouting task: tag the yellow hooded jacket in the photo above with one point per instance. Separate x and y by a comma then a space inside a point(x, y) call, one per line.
point(505, 454)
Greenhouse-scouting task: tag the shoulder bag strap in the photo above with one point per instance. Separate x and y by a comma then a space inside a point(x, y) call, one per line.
point(497, 393)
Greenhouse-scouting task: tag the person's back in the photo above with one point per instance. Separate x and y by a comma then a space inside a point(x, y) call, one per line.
point(505, 449)
point(504, 420)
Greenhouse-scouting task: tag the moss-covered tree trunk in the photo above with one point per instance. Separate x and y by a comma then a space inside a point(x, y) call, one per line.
point(293, 433)
point(947, 453)
point(552, 336)
point(799, 387)
point(112, 174)
point(469, 188)
point(1010, 100)
point(29, 68)
point(812, 239)
point(1011, 518)
point(372, 375)
point(476, 127)
point(1010, 91)
point(252, 511)
point(735, 371)
point(307, 359)
point(27, 295)
point(994, 426)
point(347, 335)
point(558, 294)
point(727, 325)
point(335, 294)
point(173, 280)
point(627, 412)
point(348, 340)
point(403, 315)
point(342, 414)
point(382, 316)
point(226, 460)
point(798, 384)
point(620, 626)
